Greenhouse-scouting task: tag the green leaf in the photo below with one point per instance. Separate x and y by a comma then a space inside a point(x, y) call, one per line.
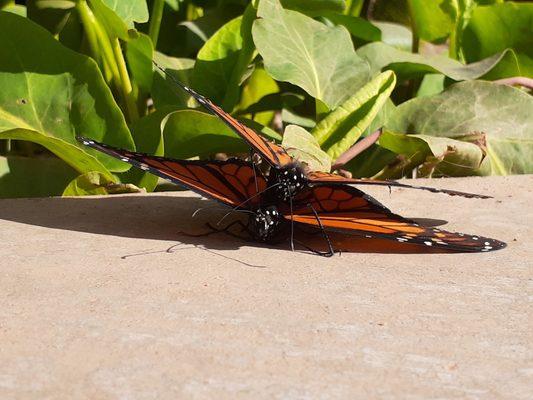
point(16, 9)
point(431, 84)
point(430, 20)
point(341, 128)
point(297, 49)
point(501, 113)
point(192, 133)
point(223, 60)
point(408, 65)
point(495, 28)
point(50, 94)
point(274, 101)
point(95, 183)
point(50, 14)
point(148, 136)
point(165, 92)
point(434, 155)
point(358, 27)
point(304, 147)
point(33, 177)
point(395, 35)
point(259, 86)
point(314, 8)
point(290, 117)
point(139, 53)
point(129, 11)
point(111, 21)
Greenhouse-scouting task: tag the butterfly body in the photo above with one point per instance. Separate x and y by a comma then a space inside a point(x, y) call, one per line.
point(266, 224)
point(287, 182)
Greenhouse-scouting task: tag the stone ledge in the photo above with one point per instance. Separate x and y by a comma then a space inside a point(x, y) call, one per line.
point(93, 305)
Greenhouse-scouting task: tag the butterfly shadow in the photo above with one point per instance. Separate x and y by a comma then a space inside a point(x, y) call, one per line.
point(170, 218)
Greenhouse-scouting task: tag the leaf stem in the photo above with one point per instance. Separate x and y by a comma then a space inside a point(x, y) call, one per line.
point(155, 20)
point(127, 89)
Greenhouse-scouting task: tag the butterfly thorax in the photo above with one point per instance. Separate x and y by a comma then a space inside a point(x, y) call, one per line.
point(265, 224)
point(287, 182)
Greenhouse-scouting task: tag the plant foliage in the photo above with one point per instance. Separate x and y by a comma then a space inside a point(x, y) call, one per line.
point(314, 75)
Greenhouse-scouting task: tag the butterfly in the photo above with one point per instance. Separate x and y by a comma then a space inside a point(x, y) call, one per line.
point(323, 207)
point(287, 176)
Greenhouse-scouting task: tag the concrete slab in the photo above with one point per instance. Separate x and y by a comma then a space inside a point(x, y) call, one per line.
point(92, 306)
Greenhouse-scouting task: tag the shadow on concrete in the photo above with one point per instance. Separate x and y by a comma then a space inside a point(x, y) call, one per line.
point(169, 218)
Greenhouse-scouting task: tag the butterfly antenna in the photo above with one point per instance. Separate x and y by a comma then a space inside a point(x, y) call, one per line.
point(216, 208)
point(174, 79)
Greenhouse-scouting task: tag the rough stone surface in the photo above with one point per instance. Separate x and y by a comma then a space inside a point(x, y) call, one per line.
point(92, 306)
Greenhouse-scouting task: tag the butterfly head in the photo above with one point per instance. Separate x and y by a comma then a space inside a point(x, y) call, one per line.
point(265, 223)
point(289, 182)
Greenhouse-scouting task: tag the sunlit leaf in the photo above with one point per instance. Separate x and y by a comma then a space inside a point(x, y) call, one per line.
point(224, 59)
point(495, 28)
point(501, 113)
point(297, 49)
point(408, 65)
point(304, 147)
point(51, 94)
point(341, 128)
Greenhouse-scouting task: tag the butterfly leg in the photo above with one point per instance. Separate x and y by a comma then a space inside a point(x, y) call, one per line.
point(330, 251)
point(227, 231)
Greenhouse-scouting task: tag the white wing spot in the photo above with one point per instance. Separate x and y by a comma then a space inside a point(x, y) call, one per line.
point(428, 243)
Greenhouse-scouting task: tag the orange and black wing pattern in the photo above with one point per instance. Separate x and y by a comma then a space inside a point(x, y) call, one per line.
point(272, 153)
point(324, 177)
point(232, 182)
point(347, 210)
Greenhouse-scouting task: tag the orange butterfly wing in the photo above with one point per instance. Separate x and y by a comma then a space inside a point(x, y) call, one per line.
point(233, 182)
point(274, 154)
point(348, 210)
point(324, 177)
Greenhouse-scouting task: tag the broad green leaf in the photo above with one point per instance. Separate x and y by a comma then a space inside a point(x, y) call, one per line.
point(341, 128)
point(430, 19)
point(224, 59)
point(434, 155)
point(16, 9)
point(259, 86)
point(503, 114)
point(290, 117)
point(304, 147)
point(297, 49)
point(192, 133)
point(358, 27)
point(495, 28)
point(110, 20)
point(314, 8)
point(274, 101)
point(71, 154)
point(50, 102)
point(129, 11)
point(431, 84)
point(165, 92)
point(50, 14)
point(139, 54)
point(408, 65)
point(34, 177)
point(147, 133)
point(395, 35)
point(95, 183)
